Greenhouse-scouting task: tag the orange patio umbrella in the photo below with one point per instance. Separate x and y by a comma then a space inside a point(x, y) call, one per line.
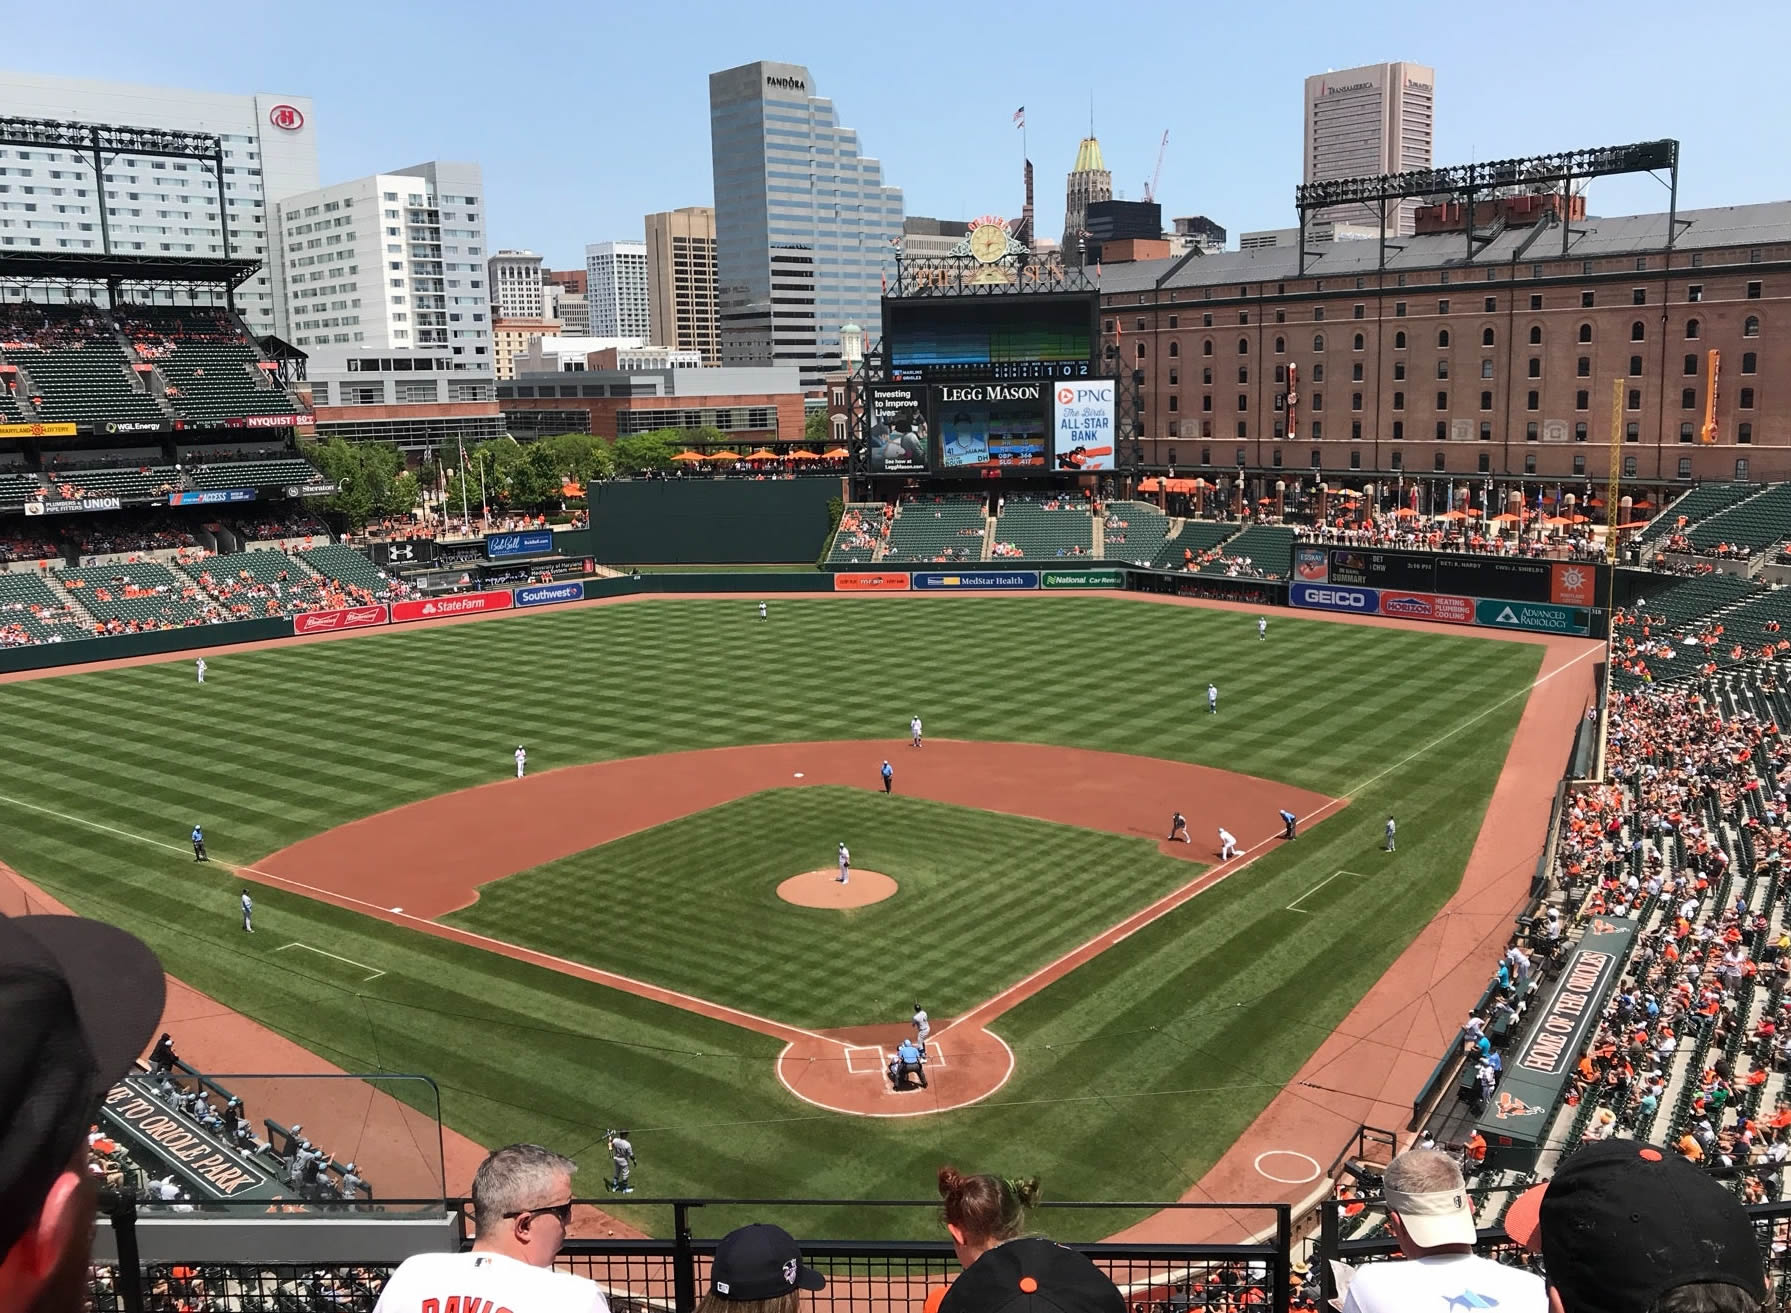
point(1453, 515)
point(762, 454)
point(838, 453)
point(1406, 512)
point(1505, 518)
point(690, 456)
point(800, 455)
point(723, 455)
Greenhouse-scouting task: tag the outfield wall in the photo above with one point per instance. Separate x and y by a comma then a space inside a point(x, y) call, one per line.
point(709, 522)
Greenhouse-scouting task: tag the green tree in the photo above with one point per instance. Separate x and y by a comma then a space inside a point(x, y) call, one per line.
point(815, 429)
point(370, 479)
point(646, 451)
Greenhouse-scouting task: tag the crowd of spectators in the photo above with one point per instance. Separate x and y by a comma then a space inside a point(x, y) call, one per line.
point(156, 335)
point(281, 522)
point(861, 532)
point(110, 536)
point(50, 328)
point(1454, 531)
point(1721, 551)
point(1643, 641)
point(25, 545)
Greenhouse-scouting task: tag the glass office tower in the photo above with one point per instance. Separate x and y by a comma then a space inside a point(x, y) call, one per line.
point(805, 230)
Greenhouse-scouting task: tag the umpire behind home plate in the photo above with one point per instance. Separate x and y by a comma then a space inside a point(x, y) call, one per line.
point(78, 1002)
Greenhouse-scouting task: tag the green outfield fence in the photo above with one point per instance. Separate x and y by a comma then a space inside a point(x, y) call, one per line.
point(310, 1261)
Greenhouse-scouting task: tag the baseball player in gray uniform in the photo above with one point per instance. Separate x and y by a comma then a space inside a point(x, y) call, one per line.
point(845, 864)
point(621, 1154)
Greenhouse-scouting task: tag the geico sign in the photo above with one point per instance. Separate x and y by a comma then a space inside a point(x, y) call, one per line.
point(1331, 598)
point(1336, 597)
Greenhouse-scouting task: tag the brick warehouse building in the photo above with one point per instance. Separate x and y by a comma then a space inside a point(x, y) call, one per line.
point(1498, 363)
point(748, 404)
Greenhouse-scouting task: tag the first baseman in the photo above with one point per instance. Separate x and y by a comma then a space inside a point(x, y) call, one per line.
point(1228, 844)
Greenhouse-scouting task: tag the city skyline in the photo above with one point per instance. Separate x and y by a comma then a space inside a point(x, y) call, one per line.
point(958, 156)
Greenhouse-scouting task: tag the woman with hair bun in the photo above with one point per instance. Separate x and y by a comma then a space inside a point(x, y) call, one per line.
point(986, 1216)
point(984, 1211)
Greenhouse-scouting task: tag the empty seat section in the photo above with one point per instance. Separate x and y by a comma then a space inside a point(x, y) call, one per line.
point(938, 529)
point(1265, 551)
point(1048, 528)
point(1197, 538)
point(211, 368)
point(74, 370)
point(1134, 532)
point(1695, 505)
point(1756, 523)
point(149, 481)
point(280, 472)
point(347, 566)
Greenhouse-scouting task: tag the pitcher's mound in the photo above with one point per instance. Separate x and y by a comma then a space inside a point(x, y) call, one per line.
point(823, 889)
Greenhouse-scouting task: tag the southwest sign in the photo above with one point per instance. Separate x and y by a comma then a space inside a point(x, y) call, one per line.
point(549, 594)
point(1526, 615)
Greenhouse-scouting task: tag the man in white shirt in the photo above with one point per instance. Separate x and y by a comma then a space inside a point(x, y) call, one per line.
point(522, 760)
point(1428, 1211)
point(522, 1204)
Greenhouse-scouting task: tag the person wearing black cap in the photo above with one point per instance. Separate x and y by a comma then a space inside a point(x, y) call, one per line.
point(1626, 1227)
point(78, 1002)
point(1004, 1271)
point(758, 1269)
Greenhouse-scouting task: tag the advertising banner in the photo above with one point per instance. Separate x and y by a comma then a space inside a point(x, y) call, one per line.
point(1528, 615)
point(1573, 584)
point(211, 497)
point(266, 421)
point(453, 604)
point(871, 583)
point(71, 506)
point(37, 430)
point(1083, 428)
point(1537, 1075)
point(899, 434)
point(401, 552)
point(1083, 579)
point(1333, 597)
point(549, 594)
point(534, 542)
point(997, 579)
point(204, 1164)
point(1428, 606)
point(991, 426)
point(351, 617)
point(114, 426)
point(1312, 565)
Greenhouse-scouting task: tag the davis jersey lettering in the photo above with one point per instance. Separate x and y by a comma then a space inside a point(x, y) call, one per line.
point(485, 1283)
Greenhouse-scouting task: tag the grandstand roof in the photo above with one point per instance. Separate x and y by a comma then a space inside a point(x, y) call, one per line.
point(96, 266)
point(1592, 238)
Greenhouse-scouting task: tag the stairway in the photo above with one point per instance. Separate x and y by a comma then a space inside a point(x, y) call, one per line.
point(68, 600)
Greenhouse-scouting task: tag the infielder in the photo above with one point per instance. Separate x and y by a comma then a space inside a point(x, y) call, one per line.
point(1262, 628)
point(888, 773)
point(845, 864)
point(522, 760)
point(1228, 844)
point(621, 1154)
point(248, 913)
point(199, 845)
point(762, 614)
point(1178, 829)
point(199, 666)
point(922, 1027)
point(1212, 699)
point(914, 731)
point(1390, 829)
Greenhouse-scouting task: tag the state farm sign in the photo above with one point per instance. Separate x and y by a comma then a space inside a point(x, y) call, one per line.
point(435, 608)
point(323, 622)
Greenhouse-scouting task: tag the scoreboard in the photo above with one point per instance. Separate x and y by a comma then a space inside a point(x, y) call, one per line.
point(972, 340)
point(1507, 578)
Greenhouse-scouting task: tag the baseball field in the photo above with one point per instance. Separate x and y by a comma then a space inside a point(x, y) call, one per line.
point(603, 944)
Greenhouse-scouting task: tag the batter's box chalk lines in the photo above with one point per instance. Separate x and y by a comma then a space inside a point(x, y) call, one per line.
point(1304, 911)
point(349, 960)
point(935, 1054)
point(851, 1070)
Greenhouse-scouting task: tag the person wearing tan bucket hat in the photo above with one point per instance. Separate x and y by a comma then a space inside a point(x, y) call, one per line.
point(1429, 1213)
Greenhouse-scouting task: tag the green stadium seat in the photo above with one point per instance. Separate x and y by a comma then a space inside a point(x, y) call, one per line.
point(1046, 528)
point(938, 530)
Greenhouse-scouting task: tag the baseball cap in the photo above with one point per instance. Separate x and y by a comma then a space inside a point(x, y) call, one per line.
point(1032, 1275)
point(1437, 1217)
point(79, 1000)
point(1622, 1222)
point(760, 1261)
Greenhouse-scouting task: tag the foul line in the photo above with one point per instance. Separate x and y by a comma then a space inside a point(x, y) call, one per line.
point(351, 962)
point(1295, 905)
point(990, 1009)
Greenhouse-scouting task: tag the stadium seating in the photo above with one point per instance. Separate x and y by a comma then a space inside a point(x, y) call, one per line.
point(260, 584)
point(1695, 505)
point(211, 368)
point(75, 366)
point(1134, 532)
point(862, 534)
point(139, 595)
point(1048, 528)
point(9, 408)
point(1753, 524)
point(938, 529)
point(276, 473)
point(151, 480)
point(1196, 538)
point(347, 566)
point(18, 487)
point(31, 613)
point(1263, 551)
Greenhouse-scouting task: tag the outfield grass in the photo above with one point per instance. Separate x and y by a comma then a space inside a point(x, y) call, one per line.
point(637, 905)
point(1134, 1073)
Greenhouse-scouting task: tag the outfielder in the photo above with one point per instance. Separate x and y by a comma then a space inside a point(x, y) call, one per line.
point(1178, 829)
point(1390, 829)
point(914, 731)
point(199, 845)
point(1212, 699)
point(522, 760)
point(845, 864)
point(1228, 844)
point(1262, 628)
point(199, 666)
point(762, 614)
point(248, 913)
point(621, 1154)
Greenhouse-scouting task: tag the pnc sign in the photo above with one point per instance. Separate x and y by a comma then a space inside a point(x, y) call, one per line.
point(286, 117)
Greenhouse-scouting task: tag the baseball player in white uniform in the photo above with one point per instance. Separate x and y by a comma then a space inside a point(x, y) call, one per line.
point(248, 913)
point(1212, 699)
point(1262, 627)
point(762, 614)
point(199, 666)
point(621, 1157)
point(845, 864)
point(922, 1027)
point(522, 760)
point(1228, 844)
point(914, 731)
point(1391, 828)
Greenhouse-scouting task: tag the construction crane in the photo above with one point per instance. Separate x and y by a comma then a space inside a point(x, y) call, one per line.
point(1150, 188)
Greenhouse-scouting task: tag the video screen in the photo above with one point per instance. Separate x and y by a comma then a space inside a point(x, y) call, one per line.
point(1083, 432)
point(936, 339)
point(991, 426)
point(900, 437)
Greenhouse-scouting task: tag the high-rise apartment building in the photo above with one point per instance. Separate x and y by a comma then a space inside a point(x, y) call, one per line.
point(681, 280)
point(514, 280)
point(565, 293)
point(1089, 181)
point(158, 205)
point(805, 228)
point(616, 289)
point(1364, 121)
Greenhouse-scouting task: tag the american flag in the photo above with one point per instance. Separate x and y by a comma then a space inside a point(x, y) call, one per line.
point(1020, 117)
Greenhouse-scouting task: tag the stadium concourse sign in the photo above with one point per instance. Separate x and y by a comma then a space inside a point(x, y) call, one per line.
point(1083, 579)
point(997, 580)
point(1536, 1077)
point(211, 496)
point(434, 608)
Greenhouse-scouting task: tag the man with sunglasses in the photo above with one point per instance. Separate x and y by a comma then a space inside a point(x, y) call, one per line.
point(522, 1205)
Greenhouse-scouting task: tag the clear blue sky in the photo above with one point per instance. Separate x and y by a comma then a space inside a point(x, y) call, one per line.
point(587, 116)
